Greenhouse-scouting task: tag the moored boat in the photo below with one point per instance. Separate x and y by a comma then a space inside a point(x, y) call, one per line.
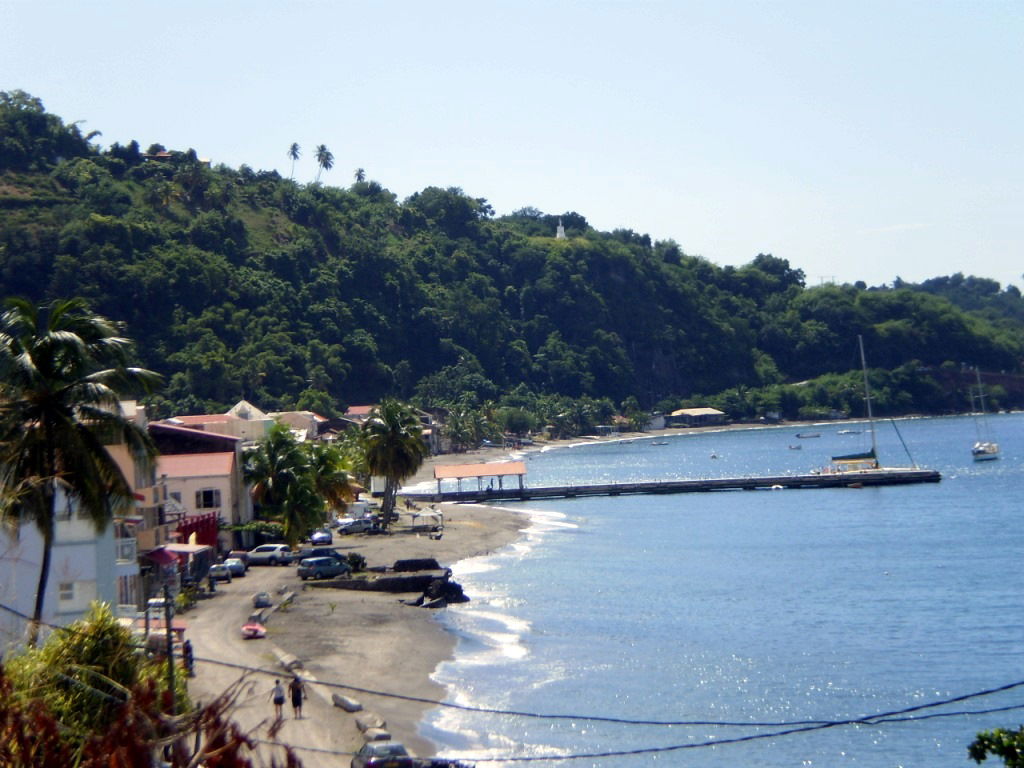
point(984, 448)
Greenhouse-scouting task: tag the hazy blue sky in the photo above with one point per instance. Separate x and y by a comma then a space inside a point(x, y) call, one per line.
point(858, 140)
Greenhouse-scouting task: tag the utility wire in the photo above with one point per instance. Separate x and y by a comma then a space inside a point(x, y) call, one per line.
point(868, 719)
point(783, 728)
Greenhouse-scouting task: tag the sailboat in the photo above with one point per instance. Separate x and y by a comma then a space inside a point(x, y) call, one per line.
point(852, 462)
point(984, 448)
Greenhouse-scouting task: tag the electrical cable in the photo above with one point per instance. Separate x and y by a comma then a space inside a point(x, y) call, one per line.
point(866, 719)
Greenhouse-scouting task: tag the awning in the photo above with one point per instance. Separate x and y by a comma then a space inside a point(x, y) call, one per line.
point(161, 556)
point(492, 469)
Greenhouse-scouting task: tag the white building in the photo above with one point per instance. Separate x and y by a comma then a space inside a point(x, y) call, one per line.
point(85, 565)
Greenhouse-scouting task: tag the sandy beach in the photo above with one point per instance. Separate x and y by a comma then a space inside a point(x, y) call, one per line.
point(358, 639)
point(347, 640)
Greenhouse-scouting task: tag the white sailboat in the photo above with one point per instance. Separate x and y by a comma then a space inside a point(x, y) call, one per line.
point(853, 462)
point(984, 448)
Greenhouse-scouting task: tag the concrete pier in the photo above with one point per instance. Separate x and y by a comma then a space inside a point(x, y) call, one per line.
point(855, 479)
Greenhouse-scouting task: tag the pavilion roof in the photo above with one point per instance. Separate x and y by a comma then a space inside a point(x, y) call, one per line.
point(492, 469)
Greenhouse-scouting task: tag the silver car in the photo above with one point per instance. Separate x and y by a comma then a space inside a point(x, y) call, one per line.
point(270, 554)
point(219, 572)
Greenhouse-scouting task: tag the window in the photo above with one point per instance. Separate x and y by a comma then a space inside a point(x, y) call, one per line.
point(66, 591)
point(127, 590)
point(208, 498)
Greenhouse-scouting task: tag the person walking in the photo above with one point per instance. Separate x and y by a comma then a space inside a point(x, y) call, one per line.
point(298, 692)
point(277, 694)
point(188, 658)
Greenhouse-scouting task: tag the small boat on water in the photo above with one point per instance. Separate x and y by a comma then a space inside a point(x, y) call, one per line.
point(796, 447)
point(805, 435)
point(984, 448)
point(659, 442)
point(848, 432)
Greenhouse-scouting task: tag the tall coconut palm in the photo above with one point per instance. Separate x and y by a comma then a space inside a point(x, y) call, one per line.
point(360, 175)
point(63, 371)
point(324, 159)
point(394, 447)
point(294, 151)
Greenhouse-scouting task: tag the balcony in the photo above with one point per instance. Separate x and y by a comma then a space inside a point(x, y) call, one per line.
point(125, 550)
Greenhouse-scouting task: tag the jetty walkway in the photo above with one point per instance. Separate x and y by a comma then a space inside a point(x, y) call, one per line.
point(853, 479)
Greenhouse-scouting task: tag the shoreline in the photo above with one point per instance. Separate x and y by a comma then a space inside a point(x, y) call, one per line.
point(355, 642)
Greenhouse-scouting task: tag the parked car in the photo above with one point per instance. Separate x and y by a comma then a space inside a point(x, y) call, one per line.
point(270, 554)
point(242, 555)
point(322, 568)
point(382, 754)
point(236, 566)
point(354, 524)
point(219, 572)
point(319, 552)
point(321, 537)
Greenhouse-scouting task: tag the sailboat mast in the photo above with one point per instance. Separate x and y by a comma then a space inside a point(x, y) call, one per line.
point(867, 393)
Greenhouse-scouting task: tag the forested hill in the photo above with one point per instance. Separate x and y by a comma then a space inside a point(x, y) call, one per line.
point(240, 283)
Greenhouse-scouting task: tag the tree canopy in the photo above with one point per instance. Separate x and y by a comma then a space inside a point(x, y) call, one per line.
point(241, 283)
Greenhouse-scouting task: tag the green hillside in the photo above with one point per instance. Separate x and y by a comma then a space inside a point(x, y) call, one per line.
point(240, 283)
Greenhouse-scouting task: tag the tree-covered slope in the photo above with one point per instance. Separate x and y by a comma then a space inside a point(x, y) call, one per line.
point(237, 283)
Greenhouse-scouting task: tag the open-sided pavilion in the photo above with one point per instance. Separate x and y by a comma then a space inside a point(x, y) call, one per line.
point(495, 470)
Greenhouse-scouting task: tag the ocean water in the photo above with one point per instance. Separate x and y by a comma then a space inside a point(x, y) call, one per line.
point(759, 616)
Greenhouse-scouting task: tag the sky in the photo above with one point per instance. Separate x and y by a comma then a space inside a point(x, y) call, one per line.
point(858, 140)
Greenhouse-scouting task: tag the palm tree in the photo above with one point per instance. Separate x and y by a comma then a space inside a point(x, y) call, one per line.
point(330, 476)
point(293, 152)
point(278, 471)
point(324, 158)
point(394, 447)
point(360, 175)
point(63, 371)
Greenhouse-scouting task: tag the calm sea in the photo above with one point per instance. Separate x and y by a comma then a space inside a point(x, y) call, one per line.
point(763, 610)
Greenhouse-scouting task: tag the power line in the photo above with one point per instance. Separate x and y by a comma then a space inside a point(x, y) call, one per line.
point(784, 728)
point(866, 719)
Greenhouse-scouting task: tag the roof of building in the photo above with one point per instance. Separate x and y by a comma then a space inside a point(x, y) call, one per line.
point(195, 465)
point(493, 469)
point(172, 440)
point(698, 412)
point(201, 418)
point(359, 410)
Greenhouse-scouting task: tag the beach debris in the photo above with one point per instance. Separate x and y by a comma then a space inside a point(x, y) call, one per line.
point(288, 661)
point(368, 720)
point(346, 702)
